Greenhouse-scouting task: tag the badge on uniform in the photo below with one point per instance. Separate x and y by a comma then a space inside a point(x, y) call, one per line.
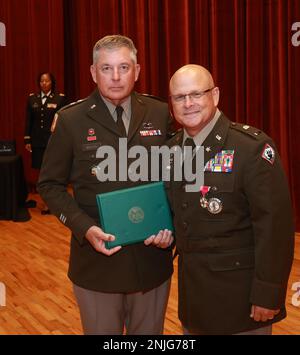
point(213, 204)
point(150, 132)
point(148, 125)
point(203, 200)
point(222, 162)
point(91, 135)
point(51, 105)
point(268, 154)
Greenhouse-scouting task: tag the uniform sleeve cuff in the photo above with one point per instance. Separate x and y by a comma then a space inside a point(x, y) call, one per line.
point(80, 225)
point(267, 295)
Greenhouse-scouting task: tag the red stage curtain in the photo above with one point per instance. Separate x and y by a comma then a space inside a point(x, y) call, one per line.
point(245, 43)
point(34, 43)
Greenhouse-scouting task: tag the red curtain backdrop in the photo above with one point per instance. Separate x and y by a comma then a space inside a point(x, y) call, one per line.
point(245, 43)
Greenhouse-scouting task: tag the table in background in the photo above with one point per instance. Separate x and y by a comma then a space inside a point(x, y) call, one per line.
point(13, 189)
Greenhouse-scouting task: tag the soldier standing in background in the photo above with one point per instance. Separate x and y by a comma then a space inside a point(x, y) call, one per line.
point(41, 108)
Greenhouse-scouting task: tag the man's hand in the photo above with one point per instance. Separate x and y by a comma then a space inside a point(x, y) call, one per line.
point(260, 314)
point(162, 240)
point(28, 147)
point(97, 237)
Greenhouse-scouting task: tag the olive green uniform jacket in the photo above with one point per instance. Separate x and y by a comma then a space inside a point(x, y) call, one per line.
point(70, 157)
point(242, 255)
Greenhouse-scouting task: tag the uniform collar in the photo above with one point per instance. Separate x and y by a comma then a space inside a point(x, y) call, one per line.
point(43, 95)
point(126, 106)
point(202, 135)
point(99, 112)
point(215, 141)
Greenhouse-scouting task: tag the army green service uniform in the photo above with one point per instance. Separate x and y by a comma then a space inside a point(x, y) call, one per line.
point(71, 157)
point(39, 117)
point(236, 244)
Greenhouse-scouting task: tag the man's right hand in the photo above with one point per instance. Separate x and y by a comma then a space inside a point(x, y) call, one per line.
point(97, 238)
point(28, 147)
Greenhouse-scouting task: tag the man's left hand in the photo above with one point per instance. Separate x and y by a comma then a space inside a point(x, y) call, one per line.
point(162, 240)
point(261, 314)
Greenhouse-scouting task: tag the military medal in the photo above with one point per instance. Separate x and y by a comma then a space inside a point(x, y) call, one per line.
point(214, 205)
point(203, 201)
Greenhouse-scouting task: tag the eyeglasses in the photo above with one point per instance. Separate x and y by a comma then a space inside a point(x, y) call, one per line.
point(194, 95)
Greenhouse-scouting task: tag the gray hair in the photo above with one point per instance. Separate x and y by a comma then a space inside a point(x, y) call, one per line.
point(114, 42)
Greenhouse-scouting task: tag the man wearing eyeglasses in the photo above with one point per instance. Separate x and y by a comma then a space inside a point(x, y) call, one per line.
point(234, 237)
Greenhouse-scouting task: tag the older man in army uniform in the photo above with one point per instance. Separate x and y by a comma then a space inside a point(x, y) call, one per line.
point(235, 236)
point(121, 287)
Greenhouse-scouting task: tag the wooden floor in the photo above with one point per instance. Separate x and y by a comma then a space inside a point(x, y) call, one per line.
point(39, 298)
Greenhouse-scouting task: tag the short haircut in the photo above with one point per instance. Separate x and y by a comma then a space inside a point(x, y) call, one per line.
point(114, 42)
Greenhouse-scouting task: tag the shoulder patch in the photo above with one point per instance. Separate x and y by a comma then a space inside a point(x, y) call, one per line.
point(251, 131)
point(268, 153)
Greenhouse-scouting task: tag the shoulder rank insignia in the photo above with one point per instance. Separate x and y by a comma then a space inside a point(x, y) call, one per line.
point(251, 131)
point(54, 122)
point(72, 104)
point(268, 154)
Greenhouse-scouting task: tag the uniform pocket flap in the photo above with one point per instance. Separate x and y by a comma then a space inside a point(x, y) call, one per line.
point(231, 261)
point(219, 184)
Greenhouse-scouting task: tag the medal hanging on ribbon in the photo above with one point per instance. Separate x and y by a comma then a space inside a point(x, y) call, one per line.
point(203, 200)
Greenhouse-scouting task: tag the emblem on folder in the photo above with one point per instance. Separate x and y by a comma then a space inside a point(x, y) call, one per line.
point(136, 214)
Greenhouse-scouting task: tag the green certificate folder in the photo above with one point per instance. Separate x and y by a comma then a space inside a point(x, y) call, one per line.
point(134, 214)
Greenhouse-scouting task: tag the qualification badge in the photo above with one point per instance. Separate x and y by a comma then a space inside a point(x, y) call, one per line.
point(91, 135)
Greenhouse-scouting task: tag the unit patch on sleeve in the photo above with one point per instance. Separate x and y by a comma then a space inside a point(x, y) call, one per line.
point(268, 154)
